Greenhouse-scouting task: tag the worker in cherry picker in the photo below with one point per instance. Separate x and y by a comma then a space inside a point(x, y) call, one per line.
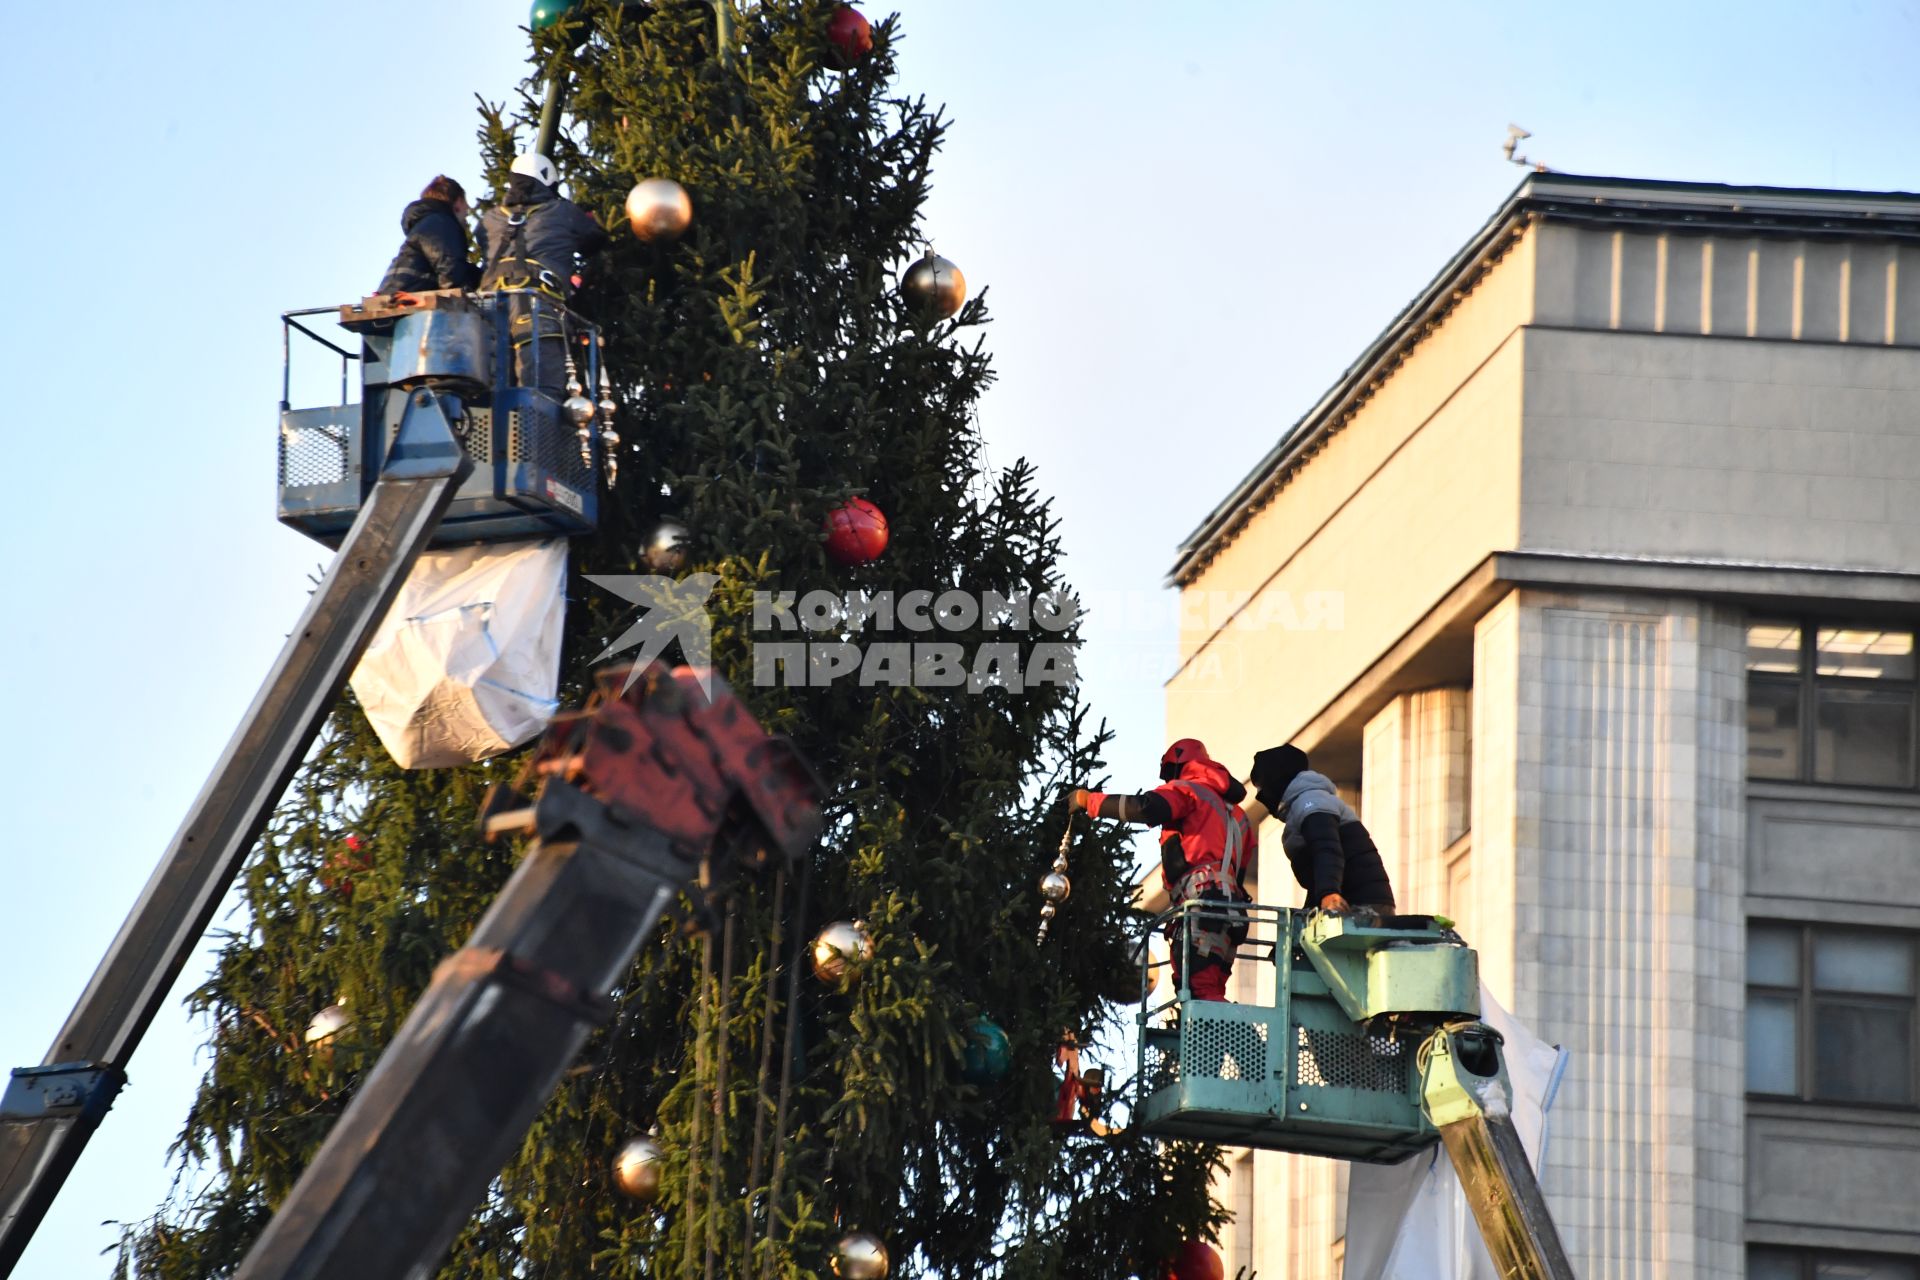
point(1206, 848)
point(1332, 855)
point(529, 242)
point(434, 254)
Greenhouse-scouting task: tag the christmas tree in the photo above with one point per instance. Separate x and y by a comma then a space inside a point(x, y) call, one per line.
point(769, 370)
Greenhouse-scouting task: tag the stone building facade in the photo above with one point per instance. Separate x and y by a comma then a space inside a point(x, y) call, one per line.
point(1623, 518)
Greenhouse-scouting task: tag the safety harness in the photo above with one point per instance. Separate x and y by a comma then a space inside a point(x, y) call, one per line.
point(1210, 931)
point(1236, 836)
point(514, 251)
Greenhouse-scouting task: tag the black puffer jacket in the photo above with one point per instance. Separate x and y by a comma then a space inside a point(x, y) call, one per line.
point(1328, 846)
point(435, 253)
point(535, 230)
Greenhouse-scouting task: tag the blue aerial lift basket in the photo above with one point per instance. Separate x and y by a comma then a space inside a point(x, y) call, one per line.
point(535, 469)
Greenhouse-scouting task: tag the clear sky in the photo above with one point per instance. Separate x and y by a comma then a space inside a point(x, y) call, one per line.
point(1191, 218)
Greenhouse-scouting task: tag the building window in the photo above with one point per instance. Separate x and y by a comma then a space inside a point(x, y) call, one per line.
point(1830, 1014)
point(1830, 703)
point(1819, 1264)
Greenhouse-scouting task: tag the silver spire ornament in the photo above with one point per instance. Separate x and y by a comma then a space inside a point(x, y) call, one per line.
point(579, 411)
point(1054, 886)
point(609, 438)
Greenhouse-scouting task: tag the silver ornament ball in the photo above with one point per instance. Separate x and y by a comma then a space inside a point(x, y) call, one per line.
point(579, 410)
point(861, 1255)
point(328, 1023)
point(838, 947)
point(659, 209)
point(667, 548)
point(933, 286)
point(1055, 887)
point(636, 1170)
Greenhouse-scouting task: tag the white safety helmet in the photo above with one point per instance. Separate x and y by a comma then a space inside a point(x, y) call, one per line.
point(537, 166)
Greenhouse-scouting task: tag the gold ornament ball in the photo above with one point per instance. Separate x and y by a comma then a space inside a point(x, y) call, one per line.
point(636, 1170)
point(328, 1023)
point(1055, 887)
point(838, 947)
point(659, 209)
point(933, 286)
point(667, 548)
point(861, 1255)
point(579, 410)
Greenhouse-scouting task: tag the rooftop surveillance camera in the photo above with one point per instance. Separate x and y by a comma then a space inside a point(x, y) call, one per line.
point(1514, 134)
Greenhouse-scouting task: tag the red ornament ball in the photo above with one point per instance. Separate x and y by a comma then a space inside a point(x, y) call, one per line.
point(849, 37)
point(856, 532)
point(346, 861)
point(1196, 1261)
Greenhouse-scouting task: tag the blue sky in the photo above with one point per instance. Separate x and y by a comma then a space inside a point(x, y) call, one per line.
point(1191, 217)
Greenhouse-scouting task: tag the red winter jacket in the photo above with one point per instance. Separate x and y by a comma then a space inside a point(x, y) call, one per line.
point(1206, 841)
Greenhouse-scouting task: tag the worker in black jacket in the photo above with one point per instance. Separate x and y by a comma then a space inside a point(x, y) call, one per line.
point(434, 255)
point(529, 242)
point(1333, 856)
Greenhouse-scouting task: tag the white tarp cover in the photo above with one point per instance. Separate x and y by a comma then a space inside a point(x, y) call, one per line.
point(1410, 1221)
point(467, 661)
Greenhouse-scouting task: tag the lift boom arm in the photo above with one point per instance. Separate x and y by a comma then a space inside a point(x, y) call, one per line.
point(50, 1111)
point(645, 793)
point(1467, 1098)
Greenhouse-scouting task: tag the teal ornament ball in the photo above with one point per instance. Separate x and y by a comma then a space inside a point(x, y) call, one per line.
point(989, 1054)
point(548, 12)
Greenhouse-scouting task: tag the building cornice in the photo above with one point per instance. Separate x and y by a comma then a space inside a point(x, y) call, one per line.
point(1438, 649)
point(1699, 208)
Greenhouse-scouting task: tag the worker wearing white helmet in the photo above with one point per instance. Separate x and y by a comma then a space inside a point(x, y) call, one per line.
point(530, 243)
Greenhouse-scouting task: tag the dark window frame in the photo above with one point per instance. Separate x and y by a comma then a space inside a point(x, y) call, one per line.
point(1807, 1000)
point(1808, 1260)
point(1808, 682)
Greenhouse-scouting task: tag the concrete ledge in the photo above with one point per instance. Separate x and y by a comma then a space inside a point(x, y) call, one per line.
point(1739, 582)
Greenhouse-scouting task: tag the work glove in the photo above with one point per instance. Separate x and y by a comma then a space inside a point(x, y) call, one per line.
point(1075, 798)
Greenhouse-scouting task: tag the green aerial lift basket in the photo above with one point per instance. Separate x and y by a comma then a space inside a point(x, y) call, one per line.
point(1329, 1067)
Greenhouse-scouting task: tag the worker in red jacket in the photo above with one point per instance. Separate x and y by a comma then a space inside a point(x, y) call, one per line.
point(1206, 848)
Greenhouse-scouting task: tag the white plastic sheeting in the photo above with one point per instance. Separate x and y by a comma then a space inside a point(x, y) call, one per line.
point(1410, 1221)
point(467, 661)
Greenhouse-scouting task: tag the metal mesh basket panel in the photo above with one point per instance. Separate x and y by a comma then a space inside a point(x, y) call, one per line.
point(1226, 1049)
point(1342, 1060)
point(313, 454)
point(474, 431)
point(544, 438)
point(1163, 1067)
